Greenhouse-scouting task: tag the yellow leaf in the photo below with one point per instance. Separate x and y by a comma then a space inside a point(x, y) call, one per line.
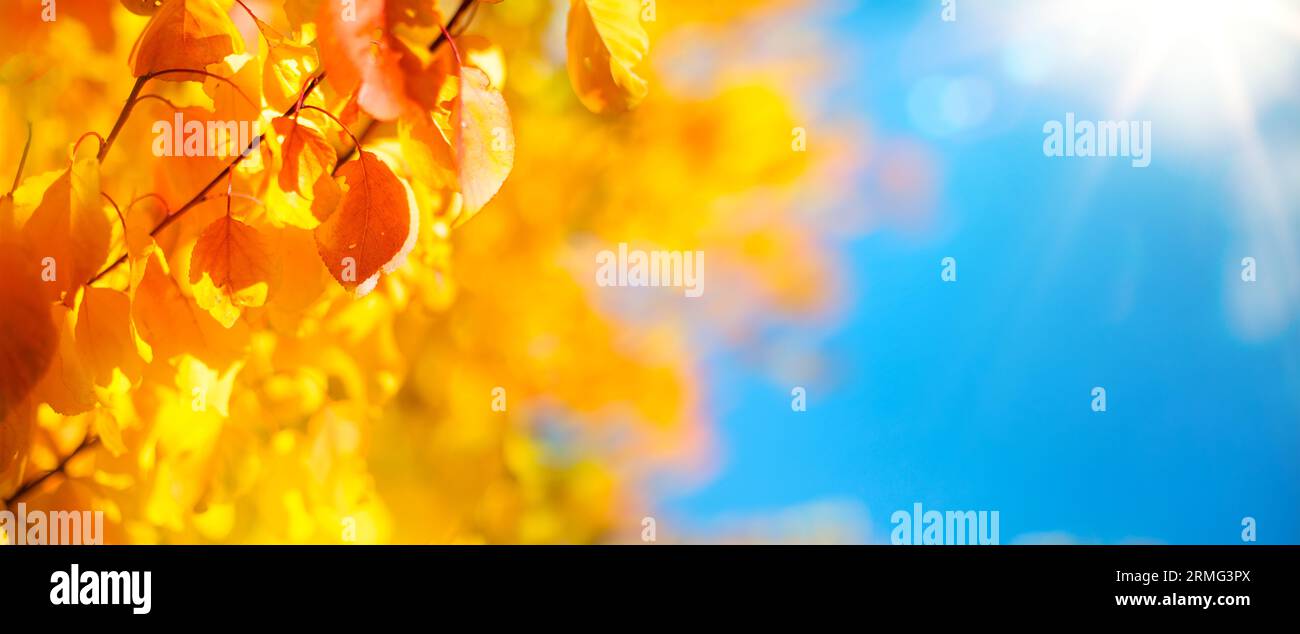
point(605, 43)
point(204, 386)
point(106, 335)
point(287, 65)
point(306, 155)
point(484, 140)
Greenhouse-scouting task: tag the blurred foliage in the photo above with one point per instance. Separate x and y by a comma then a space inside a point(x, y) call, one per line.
point(327, 415)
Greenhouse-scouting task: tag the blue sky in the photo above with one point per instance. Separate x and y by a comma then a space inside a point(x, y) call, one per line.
point(1072, 273)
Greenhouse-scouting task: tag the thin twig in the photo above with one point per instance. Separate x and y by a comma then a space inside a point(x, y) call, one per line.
point(133, 99)
point(122, 116)
point(86, 443)
point(22, 161)
point(202, 194)
point(120, 217)
point(77, 146)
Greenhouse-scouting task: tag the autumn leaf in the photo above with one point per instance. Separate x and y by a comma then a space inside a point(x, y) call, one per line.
point(9, 226)
point(29, 338)
point(172, 324)
point(16, 424)
point(70, 230)
point(412, 12)
point(288, 64)
point(306, 155)
point(372, 230)
point(68, 385)
point(303, 279)
point(304, 193)
point(432, 166)
point(185, 34)
point(137, 222)
point(232, 267)
point(483, 54)
point(236, 97)
point(106, 337)
point(484, 139)
point(605, 44)
point(316, 404)
point(358, 48)
point(476, 151)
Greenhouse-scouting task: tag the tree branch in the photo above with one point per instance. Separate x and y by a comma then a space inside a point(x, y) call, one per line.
point(122, 116)
point(452, 24)
point(202, 194)
point(22, 162)
point(86, 443)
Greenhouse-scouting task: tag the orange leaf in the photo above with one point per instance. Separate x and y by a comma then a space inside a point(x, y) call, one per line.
point(70, 230)
point(106, 336)
point(357, 49)
point(68, 386)
point(373, 228)
point(173, 325)
point(185, 34)
point(361, 51)
point(232, 267)
point(29, 339)
point(238, 98)
point(303, 278)
point(16, 425)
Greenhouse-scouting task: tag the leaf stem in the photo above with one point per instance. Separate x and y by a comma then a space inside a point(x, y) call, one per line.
point(77, 146)
point(134, 98)
point(120, 217)
point(161, 98)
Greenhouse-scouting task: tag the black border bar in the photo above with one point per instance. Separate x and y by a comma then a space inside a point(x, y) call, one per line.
point(315, 582)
